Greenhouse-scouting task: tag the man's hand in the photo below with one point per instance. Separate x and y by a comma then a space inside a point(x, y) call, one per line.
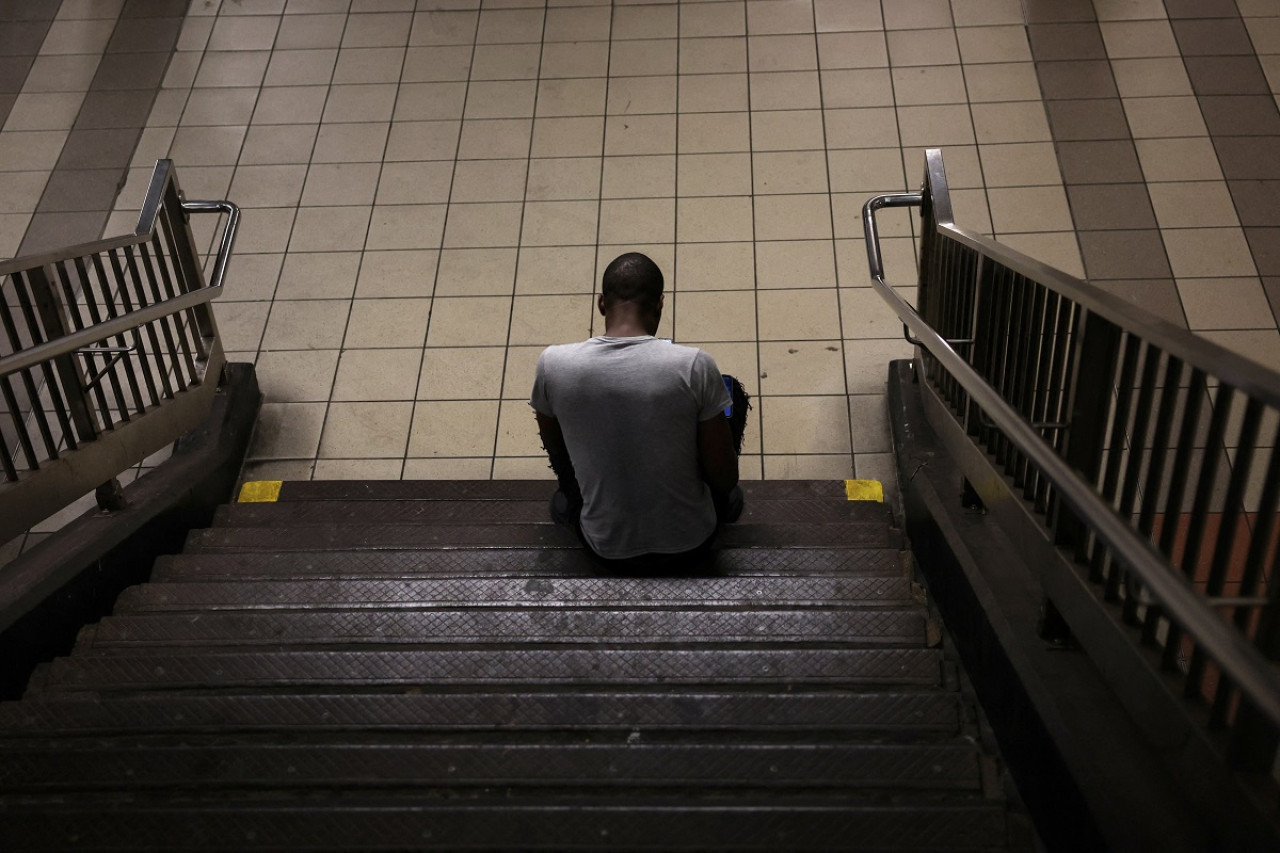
point(558, 454)
point(716, 456)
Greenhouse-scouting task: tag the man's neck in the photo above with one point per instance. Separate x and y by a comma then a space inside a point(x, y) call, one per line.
point(625, 324)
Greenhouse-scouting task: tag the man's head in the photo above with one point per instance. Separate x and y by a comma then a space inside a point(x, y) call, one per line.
point(633, 278)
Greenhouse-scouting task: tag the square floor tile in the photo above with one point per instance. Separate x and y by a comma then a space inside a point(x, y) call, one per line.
point(545, 320)
point(1225, 303)
point(568, 137)
point(1208, 253)
point(993, 44)
point(318, 229)
point(795, 263)
point(714, 220)
point(1010, 122)
point(454, 428)
point(444, 27)
point(635, 221)
point(287, 431)
point(715, 266)
point(786, 90)
point(382, 323)
point(318, 275)
point(798, 314)
point(852, 50)
point(430, 101)
point(642, 95)
point(377, 30)
point(789, 172)
point(406, 226)
point(315, 324)
point(503, 26)
point(555, 269)
point(713, 93)
point(875, 127)
point(559, 223)
point(808, 424)
point(1136, 39)
point(864, 315)
point(1191, 204)
point(462, 373)
point(646, 134)
point(867, 169)
point(446, 64)
point(517, 376)
point(713, 315)
point(935, 126)
point(301, 67)
point(924, 47)
point(469, 321)
point(372, 375)
point(638, 177)
point(655, 56)
point(351, 143)
point(487, 180)
point(290, 105)
point(937, 84)
point(792, 217)
point(574, 59)
point(574, 97)
point(714, 133)
point(714, 174)
point(496, 99)
point(1107, 207)
point(296, 376)
point(1146, 77)
point(366, 430)
point(563, 178)
point(266, 145)
point(369, 65)
point(408, 273)
point(1190, 159)
point(476, 272)
point(1017, 209)
point(341, 184)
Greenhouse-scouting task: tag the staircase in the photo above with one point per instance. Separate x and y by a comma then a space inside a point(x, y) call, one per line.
point(431, 665)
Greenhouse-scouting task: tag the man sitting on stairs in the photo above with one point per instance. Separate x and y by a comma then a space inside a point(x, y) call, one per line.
point(643, 435)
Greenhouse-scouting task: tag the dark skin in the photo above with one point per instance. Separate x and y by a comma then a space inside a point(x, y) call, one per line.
point(716, 457)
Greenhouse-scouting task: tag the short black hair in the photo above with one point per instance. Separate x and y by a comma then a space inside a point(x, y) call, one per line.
point(632, 277)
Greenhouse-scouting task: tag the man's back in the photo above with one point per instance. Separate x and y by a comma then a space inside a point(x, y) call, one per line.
point(629, 409)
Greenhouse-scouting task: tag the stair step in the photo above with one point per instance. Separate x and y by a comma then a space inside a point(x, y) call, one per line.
point(547, 535)
point(524, 490)
point(671, 711)
point(450, 766)
point(430, 628)
point(430, 670)
point(510, 562)
point(316, 513)
point(550, 592)
point(499, 822)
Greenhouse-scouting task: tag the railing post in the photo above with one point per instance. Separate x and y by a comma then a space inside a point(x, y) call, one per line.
point(186, 255)
point(1097, 346)
point(71, 377)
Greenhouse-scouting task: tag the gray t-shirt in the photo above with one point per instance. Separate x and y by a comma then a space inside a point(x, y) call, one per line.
point(629, 409)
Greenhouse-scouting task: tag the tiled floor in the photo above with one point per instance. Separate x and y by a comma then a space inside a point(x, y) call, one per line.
point(432, 188)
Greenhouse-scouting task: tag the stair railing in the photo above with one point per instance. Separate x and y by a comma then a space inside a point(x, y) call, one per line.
point(111, 353)
point(1143, 458)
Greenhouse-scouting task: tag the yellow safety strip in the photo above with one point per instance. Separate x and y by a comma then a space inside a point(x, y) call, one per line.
point(864, 490)
point(260, 491)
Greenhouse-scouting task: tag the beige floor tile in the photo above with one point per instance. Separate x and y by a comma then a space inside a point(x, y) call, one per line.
point(61, 73)
point(864, 315)
point(1133, 10)
point(192, 146)
point(641, 95)
point(779, 16)
point(366, 430)
point(1022, 121)
point(372, 375)
point(517, 375)
point(993, 44)
point(866, 363)
point(798, 425)
point(644, 176)
point(299, 32)
point(1209, 252)
point(920, 15)
point(545, 320)
point(380, 323)
point(498, 99)
point(318, 229)
point(875, 127)
point(713, 93)
point(563, 179)
point(1003, 81)
point(20, 191)
point(358, 469)
point(866, 170)
point(713, 315)
point(581, 136)
point(232, 33)
point(377, 30)
point(1225, 303)
point(1060, 250)
point(1134, 39)
point(710, 20)
point(454, 428)
point(1164, 117)
point(645, 22)
point(781, 53)
point(336, 184)
point(204, 107)
point(448, 469)
point(240, 324)
point(362, 142)
point(265, 229)
point(635, 220)
point(574, 59)
point(402, 273)
point(787, 130)
point(792, 217)
point(444, 64)
point(795, 263)
point(277, 469)
point(287, 431)
point(643, 58)
point(714, 220)
point(317, 324)
point(560, 223)
point(882, 467)
point(555, 269)
point(1020, 209)
point(369, 65)
point(462, 373)
point(923, 47)
point(715, 266)
point(229, 68)
point(714, 174)
point(458, 321)
point(476, 272)
point(254, 278)
point(647, 134)
point(713, 56)
point(869, 423)
point(415, 183)
point(406, 226)
point(290, 105)
point(484, 180)
point(445, 27)
point(1192, 204)
point(852, 50)
point(430, 101)
point(577, 23)
point(714, 133)
point(857, 87)
point(839, 15)
point(296, 376)
point(502, 26)
point(1019, 164)
point(490, 139)
point(301, 67)
point(318, 275)
point(270, 144)
point(1145, 78)
point(524, 468)
point(1190, 159)
point(518, 432)
point(801, 368)
point(786, 90)
point(929, 84)
point(572, 97)
point(798, 314)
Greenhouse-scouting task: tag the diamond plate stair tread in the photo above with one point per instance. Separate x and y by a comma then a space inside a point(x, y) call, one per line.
point(683, 711)
point(108, 765)
point(520, 490)
point(548, 667)
point(400, 628)
point(318, 513)
point(413, 537)
point(460, 592)
point(513, 562)
point(943, 823)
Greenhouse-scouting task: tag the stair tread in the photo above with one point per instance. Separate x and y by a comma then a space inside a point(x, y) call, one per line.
point(512, 562)
point(543, 666)
point(560, 626)
point(545, 535)
point(540, 592)
point(452, 490)
point(669, 710)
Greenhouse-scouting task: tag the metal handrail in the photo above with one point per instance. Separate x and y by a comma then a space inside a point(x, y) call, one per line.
point(1250, 670)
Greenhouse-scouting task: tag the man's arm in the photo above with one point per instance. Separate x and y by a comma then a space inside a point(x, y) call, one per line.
point(558, 453)
point(716, 456)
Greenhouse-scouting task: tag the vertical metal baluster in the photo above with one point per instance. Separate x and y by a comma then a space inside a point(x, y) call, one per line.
point(69, 366)
point(184, 367)
point(1114, 444)
point(198, 322)
point(157, 355)
point(1132, 476)
point(21, 432)
point(1155, 475)
point(171, 350)
point(26, 304)
point(1006, 366)
point(1033, 326)
point(1068, 322)
point(122, 293)
point(111, 374)
point(1195, 395)
point(977, 351)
